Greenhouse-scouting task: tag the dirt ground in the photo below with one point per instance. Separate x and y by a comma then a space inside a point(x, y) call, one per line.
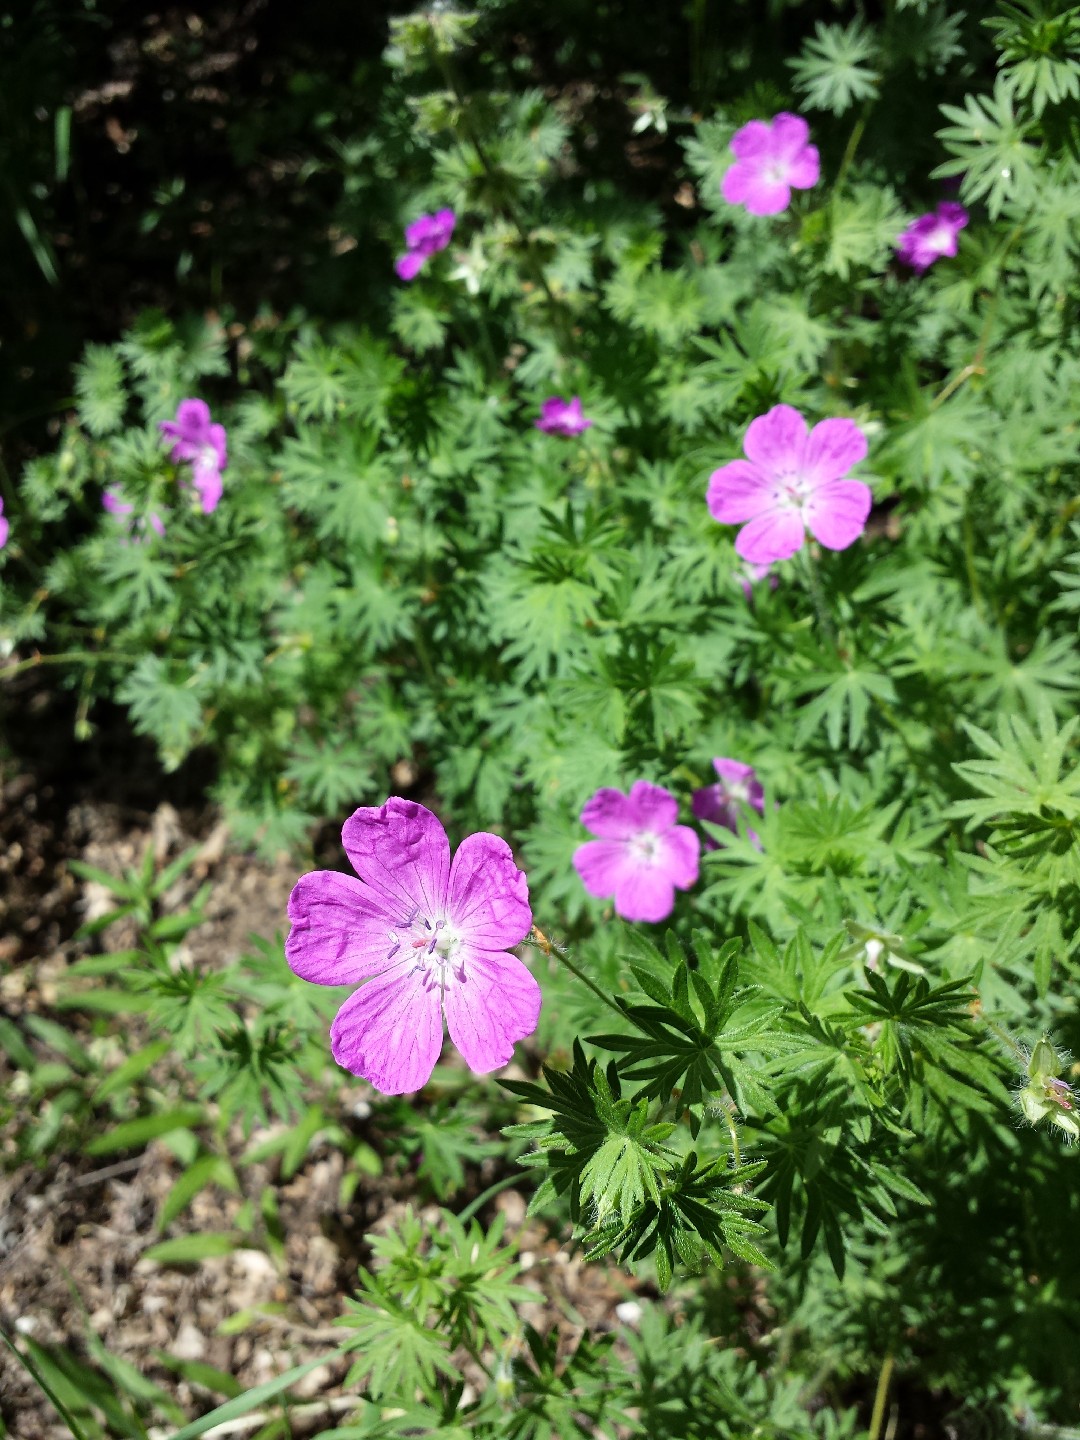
point(73, 1229)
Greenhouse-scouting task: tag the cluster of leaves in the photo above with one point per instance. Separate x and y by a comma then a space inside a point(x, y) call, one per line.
point(405, 577)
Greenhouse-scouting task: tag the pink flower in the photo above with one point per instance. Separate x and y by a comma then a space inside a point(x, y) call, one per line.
point(4, 526)
point(642, 855)
point(932, 236)
point(753, 575)
point(428, 936)
point(423, 238)
point(719, 803)
point(562, 417)
point(113, 501)
point(200, 443)
point(791, 482)
point(771, 158)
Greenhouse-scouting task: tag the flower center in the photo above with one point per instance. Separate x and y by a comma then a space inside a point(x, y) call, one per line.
point(776, 173)
point(645, 847)
point(1060, 1093)
point(792, 489)
point(427, 944)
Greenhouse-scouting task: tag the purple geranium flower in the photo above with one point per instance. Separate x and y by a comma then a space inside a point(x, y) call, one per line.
point(423, 238)
point(4, 526)
point(113, 501)
point(428, 936)
point(771, 158)
point(738, 785)
point(200, 443)
point(932, 236)
point(752, 575)
point(562, 417)
point(792, 481)
point(642, 854)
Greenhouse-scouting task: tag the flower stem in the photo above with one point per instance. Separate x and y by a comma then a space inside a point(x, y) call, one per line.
point(69, 657)
point(881, 1397)
point(817, 595)
point(1007, 1040)
point(849, 153)
point(736, 1153)
point(560, 954)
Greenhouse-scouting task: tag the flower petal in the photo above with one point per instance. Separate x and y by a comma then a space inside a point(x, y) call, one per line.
point(408, 266)
point(678, 854)
point(789, 135)
point(832, 448)
point(767, 196)
point(601, 865)
point(390, 1031)
point(738, 491)
point(207, 481)
point(654, 808)
point(739, 181)
point(645, 893)
point(711, 803)
point(610, 815)
point(495, 1004)
point(836, 513)
point(340, 929)
point(953, 214)
point(193, 417)
point(805, 168)
point(489, 895)
point(774, 442)
point(401, 850)
point(773, 536)
point(216, 439)
point(745, 776)
point(752, 140)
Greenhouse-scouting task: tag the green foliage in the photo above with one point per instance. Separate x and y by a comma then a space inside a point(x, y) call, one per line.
point(818, 1067)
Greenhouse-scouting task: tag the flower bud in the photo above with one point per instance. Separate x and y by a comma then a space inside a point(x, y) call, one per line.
point(1046, 1096)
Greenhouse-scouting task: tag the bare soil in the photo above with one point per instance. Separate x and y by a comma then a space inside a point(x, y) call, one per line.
point(73, 1229)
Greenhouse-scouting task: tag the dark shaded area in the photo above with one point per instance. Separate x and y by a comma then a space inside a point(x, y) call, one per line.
point(213, 156)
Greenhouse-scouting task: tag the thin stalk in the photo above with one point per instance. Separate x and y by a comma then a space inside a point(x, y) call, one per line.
point(849, 153)
point(424, 656)
point(969, 563)
point(817, 595)
point(1007, 1040)
point(736, 1153)
point(560, 954)
point(69, 657)
point(880, 1398)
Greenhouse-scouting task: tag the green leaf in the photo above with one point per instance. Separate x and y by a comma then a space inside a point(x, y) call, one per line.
point(190, 1249)
point(135, 1133)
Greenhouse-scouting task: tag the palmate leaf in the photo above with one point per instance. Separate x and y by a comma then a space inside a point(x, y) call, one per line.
point(168, 710)
point(700, 1210)
point(1024, 773)
point(399, 1354)
point(836, 70)
point(917, 1020)
point(99, 384)
point(1039, 46)
point(686, 1043)
point(599, 1150)
point(819, 1172)
point(991, 150)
